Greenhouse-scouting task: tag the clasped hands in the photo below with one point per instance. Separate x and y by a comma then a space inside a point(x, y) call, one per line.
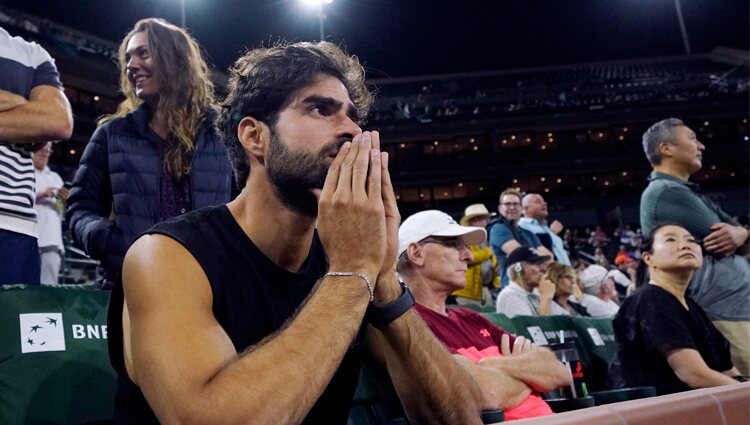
point(358, 217)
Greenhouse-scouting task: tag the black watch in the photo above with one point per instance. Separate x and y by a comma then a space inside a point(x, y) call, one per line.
point(381, 316)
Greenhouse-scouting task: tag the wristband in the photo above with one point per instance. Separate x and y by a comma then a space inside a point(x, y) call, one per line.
point(358, 274)
point(381, 316)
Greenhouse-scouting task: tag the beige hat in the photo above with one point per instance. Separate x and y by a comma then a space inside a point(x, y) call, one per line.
point(472, 211)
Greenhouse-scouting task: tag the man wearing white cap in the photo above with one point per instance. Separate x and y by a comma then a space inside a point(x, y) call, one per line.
point(529, 293)
point(433, 256)
point(482, 275)
point(598, 291)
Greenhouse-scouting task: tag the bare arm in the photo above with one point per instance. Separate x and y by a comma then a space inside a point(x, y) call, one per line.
point(10, 100)
point(499, 391)
point(538, 367)
point(690, 367)
point(509, 246)
point(732, 372)
point(192, 373)
point(546, 294)
point(725, 239)
point(431, 386)
point(512, 244)
point(556, 227)
point(542, 250)
point(46, 116)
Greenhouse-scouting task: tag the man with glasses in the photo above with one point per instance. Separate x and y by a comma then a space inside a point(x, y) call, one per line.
point(433, 256)
point(506, 235)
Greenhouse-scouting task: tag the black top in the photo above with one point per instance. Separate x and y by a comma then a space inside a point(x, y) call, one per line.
point(652, 322)
point(252, 298)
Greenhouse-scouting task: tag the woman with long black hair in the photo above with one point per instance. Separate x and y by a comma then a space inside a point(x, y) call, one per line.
point(664, 339)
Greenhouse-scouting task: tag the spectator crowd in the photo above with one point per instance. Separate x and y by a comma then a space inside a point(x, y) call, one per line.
point(313, 248)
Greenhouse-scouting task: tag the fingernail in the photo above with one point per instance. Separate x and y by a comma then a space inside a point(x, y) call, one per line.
point(346, 145)
point(365, 137)
point(357, 138)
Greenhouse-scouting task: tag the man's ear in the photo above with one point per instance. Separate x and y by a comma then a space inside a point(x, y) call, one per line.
point(254, 135)
point(414, 251)
point(666, 150)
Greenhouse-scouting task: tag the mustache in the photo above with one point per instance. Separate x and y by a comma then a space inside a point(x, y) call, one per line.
point(335, 145)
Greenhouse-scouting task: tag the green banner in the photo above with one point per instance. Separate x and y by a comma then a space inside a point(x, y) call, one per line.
point(594, 338)
point(54, 366)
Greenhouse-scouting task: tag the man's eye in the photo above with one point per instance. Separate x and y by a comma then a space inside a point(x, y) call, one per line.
point(318, 109)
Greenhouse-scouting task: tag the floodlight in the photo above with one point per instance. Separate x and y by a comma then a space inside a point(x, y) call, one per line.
point(321, 16)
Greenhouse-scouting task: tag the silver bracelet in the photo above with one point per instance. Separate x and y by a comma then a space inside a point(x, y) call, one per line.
point(358, 274)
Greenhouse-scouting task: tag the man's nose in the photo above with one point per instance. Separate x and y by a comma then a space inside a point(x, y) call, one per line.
point(348, 128)
point(466, 254)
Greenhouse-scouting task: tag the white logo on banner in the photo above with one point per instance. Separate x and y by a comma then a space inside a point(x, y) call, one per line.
point(41, 332)
point(595, 336)
point(537, 335)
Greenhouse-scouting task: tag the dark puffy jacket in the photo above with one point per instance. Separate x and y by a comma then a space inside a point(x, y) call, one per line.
point(120, 173)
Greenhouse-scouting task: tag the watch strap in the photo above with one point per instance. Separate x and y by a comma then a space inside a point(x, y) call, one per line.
point(381, 316)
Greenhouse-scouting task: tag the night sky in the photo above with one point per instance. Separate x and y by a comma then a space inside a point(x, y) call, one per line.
point(407, 37)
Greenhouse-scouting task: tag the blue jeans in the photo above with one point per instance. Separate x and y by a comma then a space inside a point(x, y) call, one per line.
point(19, 259)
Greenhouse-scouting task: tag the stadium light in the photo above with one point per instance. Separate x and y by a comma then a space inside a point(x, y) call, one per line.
point(182, 13)
point(683, 30)
point(321, 15)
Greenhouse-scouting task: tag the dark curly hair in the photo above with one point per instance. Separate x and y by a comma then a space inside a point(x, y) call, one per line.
point(263, 81)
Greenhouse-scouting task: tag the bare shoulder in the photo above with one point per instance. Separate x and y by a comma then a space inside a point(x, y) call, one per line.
point(165, 287)
point(159, 265)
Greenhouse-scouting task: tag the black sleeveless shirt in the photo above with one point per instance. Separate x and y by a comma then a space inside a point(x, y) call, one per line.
point(252, 298)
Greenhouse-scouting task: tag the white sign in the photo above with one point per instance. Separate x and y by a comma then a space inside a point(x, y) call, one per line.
point(41, 332)
point(537, 335)
point(595, 336)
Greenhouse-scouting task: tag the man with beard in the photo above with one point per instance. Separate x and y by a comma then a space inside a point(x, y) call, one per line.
point(247, 311)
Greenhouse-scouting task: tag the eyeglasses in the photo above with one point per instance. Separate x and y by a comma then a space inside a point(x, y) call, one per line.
point(456, 243)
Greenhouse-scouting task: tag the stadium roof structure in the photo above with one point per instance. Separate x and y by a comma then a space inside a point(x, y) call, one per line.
point(397, 38)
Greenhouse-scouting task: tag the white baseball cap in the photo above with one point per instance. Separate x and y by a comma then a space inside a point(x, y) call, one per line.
point(436, 223)
point(593, 275)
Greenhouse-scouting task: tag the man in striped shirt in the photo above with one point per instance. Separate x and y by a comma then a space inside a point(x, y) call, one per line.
point(33, 110)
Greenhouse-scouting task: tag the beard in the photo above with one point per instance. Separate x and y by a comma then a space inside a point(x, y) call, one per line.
point(293, 174)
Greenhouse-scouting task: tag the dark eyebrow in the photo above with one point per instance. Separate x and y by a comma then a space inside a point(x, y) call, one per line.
point(331, 102)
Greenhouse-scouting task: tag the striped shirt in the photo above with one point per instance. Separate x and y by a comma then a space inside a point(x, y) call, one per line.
point(23, 66)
